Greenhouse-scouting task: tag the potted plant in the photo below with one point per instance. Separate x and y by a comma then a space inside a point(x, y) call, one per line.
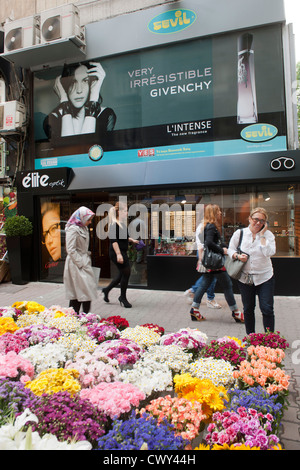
point(18, 230)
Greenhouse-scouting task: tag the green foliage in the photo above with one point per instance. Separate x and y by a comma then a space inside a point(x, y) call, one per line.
point(18, 226)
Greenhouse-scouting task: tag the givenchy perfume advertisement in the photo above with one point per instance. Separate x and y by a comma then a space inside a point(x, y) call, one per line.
point(212, 96)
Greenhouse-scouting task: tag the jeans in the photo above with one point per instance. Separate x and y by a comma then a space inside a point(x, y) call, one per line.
point(226, 284)
point(265, 292)
point(210, 291)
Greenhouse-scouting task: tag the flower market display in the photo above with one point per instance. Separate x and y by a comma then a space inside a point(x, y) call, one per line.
point(79, 382)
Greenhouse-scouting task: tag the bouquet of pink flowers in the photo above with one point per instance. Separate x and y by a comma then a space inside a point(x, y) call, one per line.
point(185, 416)
point(270, 339)
point(188, 339)
point(12, 342)
point(244, 426)
point(15, 367)
point(39, 333)
point(113, 398)
point(94, 368)
point(124, 350)
point(103, 332)
point(263, 372)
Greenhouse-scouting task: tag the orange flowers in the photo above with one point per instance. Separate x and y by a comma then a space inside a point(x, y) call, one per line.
point(262, 369)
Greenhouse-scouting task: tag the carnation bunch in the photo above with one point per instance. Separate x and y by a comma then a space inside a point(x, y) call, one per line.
point(270, 339)
point(185, 416)
point(113, 398)
point(190, 340)
point(125, 351)
point(268, 354)
point(228, 350)
point(264, 373)
point(119, 322)
point(12, 342)
point(39, 333)
point(55, 380)
point(16, 367)
point(258, 399)
point(102, 332)
point(94, 368)
point(243, 426)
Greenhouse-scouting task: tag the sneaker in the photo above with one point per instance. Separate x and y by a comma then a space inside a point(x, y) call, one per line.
point(189, 295)
point(213, 304)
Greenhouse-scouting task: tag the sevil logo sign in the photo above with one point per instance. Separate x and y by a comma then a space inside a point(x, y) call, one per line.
point(282, 164)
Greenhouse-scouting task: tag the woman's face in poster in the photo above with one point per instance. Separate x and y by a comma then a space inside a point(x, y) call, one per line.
point(79, 89)
point(51, 234)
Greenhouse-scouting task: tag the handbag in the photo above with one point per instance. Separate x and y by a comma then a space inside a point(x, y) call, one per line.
point(212, 260)
point(234, 267)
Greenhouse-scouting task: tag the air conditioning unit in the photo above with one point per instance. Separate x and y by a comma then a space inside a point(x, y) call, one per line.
point(2, 90)
point(12, 116)
point(59, 23)
point(21, 33)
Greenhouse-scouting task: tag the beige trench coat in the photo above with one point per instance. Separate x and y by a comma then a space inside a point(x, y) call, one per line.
point(79, 280)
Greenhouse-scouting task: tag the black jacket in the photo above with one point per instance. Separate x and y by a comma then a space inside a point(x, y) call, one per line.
point(212, 239)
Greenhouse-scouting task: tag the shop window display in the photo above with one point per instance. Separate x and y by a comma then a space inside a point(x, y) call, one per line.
point(170, 218)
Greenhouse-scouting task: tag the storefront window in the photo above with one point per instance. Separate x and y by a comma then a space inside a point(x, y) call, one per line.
point(169, 219)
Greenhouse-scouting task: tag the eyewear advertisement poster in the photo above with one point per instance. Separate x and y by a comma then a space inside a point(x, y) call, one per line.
point(212, 96)
point(52, 241)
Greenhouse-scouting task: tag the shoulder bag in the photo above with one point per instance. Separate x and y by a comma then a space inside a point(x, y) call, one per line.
point(212, 260)
point(234, 267)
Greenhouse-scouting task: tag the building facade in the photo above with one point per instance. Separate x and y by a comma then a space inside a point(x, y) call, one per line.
point(170, 106)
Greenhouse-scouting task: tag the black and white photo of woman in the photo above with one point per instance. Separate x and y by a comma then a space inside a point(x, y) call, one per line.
point(80, 109)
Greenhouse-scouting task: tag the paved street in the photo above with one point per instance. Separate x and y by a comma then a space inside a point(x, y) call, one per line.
point(171, 311)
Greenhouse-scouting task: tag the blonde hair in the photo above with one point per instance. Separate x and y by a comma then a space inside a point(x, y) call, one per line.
point(261, 210)
point(211, 212)
point(113, 214)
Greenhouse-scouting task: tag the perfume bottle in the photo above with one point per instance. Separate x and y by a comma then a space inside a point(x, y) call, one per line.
point(246, 104)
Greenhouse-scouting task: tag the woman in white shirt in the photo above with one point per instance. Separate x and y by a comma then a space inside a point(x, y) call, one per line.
point(257, 276)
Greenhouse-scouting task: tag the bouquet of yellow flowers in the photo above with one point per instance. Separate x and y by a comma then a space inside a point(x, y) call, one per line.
point(204, 391)
point(55, 380)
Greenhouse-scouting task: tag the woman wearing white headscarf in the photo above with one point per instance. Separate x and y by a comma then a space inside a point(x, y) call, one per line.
point(79, 280)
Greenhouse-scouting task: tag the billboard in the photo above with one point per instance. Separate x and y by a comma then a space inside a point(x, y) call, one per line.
point(212, 96)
